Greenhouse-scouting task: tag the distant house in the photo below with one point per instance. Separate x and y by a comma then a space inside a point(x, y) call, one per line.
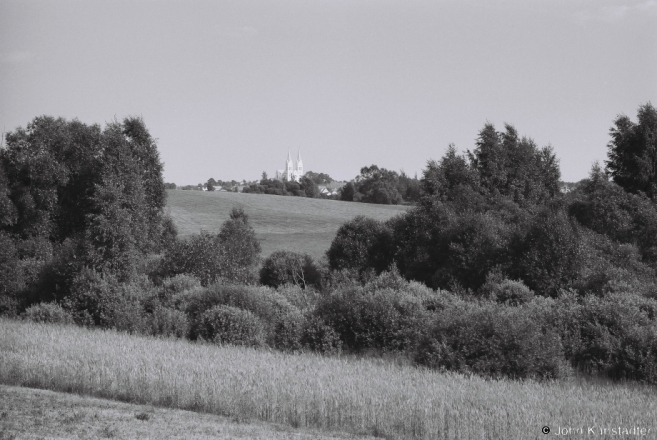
point(328, 190)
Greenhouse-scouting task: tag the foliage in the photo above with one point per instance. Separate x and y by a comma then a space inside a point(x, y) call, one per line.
point(239, 248)
point(494, 340)
point(50, 313)
point(287, 267)
point(319, 178)
point(604, 207)
point(615, 334)
point(165, 321)
point(549, 254)
point(231, 255)
point(103, 300)
point(231, 325)
point(515, 167)
point(632, 152)
point(320, 337)
point(360, 244)
point(380, 315)
point(65, 185)
point(306, 187)
point(505, 291)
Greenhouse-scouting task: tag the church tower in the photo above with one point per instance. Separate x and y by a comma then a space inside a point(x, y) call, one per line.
point(289, 169)
point(299, 165)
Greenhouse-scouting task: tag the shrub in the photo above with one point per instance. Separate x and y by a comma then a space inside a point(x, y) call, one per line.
point(100, 299)
point(286, 267)
point(317, 336)
point(165, 321)
point(493, 340)
point(230, 325)
point(509, 292)
point(615, 334)
point(231, 255)
point(265, 303)
point(50, 313)
point(288, 331)
point(303, 299)
point(549, 256)
point(361, 244)
point(386, 319)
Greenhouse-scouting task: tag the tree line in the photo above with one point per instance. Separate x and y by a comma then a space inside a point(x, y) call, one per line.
point(495, 271)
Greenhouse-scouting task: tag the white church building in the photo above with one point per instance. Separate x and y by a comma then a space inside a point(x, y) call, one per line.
point(291, 172)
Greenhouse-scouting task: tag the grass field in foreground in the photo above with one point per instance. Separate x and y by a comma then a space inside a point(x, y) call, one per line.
point(280, 222)
point(362, 396)
point(31, 413)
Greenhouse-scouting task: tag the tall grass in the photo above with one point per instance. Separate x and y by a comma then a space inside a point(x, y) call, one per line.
point(358, 395)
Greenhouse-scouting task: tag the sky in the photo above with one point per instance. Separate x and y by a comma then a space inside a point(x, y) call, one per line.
point(228, 87)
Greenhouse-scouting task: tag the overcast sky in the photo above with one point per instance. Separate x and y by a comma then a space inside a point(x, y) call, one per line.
point(227, 87)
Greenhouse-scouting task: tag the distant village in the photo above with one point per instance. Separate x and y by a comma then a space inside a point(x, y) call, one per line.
point(293, 172)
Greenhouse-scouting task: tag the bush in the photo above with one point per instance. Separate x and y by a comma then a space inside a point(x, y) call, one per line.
point(317, 336)
point(286, 267)
point(385, 319)
point(549, 256)
point(615, 334)
point(361, 244)
point(231, 255)
point(493, 340)
point(265, 303)
point(302, 299)
point(50, 313)
point(509, 292)
point(230, 325)
point(168, 322)
point(100, 299)
point(288, 331)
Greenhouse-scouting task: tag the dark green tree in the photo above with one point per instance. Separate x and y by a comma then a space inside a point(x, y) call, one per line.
point(632, 152)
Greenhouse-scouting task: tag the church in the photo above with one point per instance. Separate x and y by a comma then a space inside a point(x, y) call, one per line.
point(291, 172)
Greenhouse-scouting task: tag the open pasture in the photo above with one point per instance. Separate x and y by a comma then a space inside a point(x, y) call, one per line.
point(361, 396)
point(280, 222)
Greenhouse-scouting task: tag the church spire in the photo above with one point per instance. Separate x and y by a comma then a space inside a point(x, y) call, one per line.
point(299, 164)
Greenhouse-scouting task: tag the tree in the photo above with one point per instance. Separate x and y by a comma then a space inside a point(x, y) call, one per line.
point(440, 179)
point(240, 249)
point(632, 152)
point(319, 178)
point(515, 167)
point(64, 180)
point(210, 184)
point(286, 267)
point(360, 244)
point(347, 192)
point(309, 187)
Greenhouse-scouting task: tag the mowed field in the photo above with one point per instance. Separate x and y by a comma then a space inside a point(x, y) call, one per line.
point(362, 396)
point(280, 222)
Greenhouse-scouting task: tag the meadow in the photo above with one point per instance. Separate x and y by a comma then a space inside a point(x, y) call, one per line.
point(280, 222)
point(366, 396)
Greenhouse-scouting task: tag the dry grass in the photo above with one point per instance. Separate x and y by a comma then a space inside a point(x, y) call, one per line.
point(280, 222)
point(362, 396)
point(29, 413)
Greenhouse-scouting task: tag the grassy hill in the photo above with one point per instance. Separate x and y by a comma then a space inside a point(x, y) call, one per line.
point(294, 223)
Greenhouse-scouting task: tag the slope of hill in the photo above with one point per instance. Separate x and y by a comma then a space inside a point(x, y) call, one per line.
point(293, 223)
